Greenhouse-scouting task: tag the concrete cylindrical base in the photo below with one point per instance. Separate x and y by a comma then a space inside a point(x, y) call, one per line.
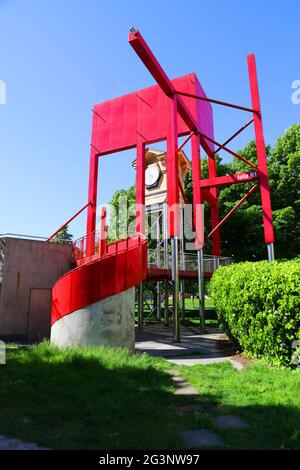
point(109, 322)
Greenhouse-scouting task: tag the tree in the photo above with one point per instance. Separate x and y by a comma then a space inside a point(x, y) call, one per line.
point(284, 171)
point(122, 214)
point(64, 236)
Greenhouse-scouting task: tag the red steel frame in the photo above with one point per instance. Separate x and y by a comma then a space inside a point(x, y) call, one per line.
point(167, 111)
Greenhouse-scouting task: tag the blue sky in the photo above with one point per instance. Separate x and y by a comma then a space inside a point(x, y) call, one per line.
point(58, 58)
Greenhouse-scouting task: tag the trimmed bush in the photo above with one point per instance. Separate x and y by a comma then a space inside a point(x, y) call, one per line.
point(258, 304)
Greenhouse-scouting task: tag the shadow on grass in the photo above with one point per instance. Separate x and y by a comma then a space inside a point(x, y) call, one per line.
point(96, 398)
point(101, 398)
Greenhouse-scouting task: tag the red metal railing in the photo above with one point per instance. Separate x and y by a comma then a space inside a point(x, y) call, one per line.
point(124, 265)
point(92, 246)
point(68, 221)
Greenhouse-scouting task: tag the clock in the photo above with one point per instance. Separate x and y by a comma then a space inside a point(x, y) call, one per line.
point(152, 176)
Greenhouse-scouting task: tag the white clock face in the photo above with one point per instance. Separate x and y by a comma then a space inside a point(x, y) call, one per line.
point(152, 176)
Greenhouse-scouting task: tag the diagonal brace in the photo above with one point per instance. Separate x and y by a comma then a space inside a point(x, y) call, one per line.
point(229, 214)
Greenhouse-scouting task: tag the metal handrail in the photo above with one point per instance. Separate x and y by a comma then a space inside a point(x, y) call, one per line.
point(187, 263)
point(19, 235)
point(95, 250)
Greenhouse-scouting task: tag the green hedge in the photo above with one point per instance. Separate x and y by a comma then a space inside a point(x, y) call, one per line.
point(258, 304)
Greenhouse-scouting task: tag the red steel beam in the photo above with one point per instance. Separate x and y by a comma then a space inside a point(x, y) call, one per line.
point(142, 49)
point(68, 221)
point(247, 195)
point(140, 187)
point(185, 141)
point(261, 153)
point(208, 197)
point(210, 100)
point(230, 151)
point(197, 195)
point(172, 170)
point(234, 135)
point(229, 179)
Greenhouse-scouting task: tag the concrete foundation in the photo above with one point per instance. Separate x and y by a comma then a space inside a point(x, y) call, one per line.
point(28, 271)
point(109, 322)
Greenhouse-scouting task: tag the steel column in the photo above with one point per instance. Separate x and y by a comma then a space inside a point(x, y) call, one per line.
point(140, 307)
point(93, 182)
point(270, 248)
point(182, 292)
point(140, 187)
point(182, 265)
point(172, 171)
point(158, 286)
point(261, 153)
point(214, 209)
point(175, 280)
point(92, 208)
point(102, 232)
point(197, 196)
point(166, 306)
point(201, 290)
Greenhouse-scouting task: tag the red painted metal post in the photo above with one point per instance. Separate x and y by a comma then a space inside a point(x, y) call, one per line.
point(102, 232)
point(140, 187)
point(197, 196)
point(172, 171)
point(198, 223)
point(92, 192)
point(261, 153)
point(214, 209)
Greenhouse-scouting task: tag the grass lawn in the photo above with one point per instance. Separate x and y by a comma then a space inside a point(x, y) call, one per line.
point(191, 313)
point(100, 398)
point(267, 399)
point(194, 305)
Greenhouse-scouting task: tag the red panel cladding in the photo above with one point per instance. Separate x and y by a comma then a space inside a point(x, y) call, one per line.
point(97, 280)
point(116, 120)
point(204, 115)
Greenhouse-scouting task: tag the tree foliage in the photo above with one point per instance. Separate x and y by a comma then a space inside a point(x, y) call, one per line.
point(64, 236)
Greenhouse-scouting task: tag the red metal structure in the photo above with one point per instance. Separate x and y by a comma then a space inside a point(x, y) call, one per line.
point(166, 111)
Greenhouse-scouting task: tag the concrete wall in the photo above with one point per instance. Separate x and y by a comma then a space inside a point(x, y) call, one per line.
point(29, 271)
point(108, 322)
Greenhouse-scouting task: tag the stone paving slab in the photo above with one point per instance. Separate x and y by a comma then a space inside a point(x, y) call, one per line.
point(230, 422)
point(157, 340)
point(189, 408)
point(7, 443)
point(196, 360)
point(201, 438)
point(182, 386)
point(194, 348)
